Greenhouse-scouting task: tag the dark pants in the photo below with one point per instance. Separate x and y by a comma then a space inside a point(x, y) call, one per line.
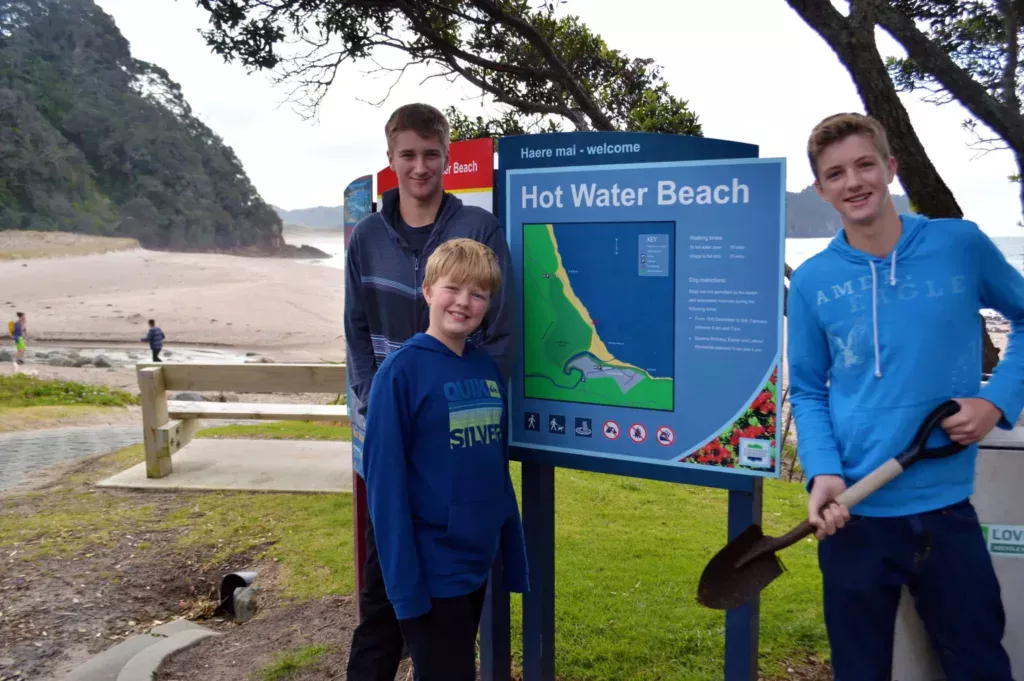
point(377, 642)
point(942, 558)
point(156, 354)
point(443, 642)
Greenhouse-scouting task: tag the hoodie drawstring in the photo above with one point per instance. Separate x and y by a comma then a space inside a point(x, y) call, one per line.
point(874, 316)
point(874, 307)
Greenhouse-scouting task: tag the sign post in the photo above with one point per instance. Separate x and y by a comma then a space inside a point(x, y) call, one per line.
point(358, 204)
point(649, 276)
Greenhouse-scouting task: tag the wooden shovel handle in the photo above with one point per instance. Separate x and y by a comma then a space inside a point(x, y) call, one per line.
point(870, 483)
point(849, 498)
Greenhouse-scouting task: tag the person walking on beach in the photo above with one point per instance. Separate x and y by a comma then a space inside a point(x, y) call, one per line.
point(19, 331)
point(384, 307)
point(155, 338)
point(883, 327)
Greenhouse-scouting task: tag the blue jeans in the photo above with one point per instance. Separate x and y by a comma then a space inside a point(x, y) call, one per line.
point(942, 558)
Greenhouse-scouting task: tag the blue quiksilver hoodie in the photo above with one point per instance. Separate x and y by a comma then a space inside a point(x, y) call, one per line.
point(438, 489)
point(874, 344)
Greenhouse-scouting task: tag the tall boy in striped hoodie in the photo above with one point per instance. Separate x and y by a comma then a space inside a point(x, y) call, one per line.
point(384, 306)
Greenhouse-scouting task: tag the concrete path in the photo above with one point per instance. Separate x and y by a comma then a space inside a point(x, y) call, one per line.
point(138, 657)
point(252, 465)
point(22, 453)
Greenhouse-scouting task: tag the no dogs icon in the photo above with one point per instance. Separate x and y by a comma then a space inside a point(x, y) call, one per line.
point(637, 433)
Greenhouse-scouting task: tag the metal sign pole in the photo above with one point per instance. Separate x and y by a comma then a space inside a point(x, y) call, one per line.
point(742, 624)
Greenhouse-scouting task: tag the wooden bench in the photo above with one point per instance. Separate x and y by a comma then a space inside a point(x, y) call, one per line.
point(169, 425)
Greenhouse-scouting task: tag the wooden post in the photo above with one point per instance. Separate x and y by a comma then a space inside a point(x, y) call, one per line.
point(154, 415)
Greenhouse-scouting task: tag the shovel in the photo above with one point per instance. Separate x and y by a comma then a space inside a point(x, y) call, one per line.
point(748, 563)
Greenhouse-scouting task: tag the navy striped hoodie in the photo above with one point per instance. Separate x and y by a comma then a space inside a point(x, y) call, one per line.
point(384, 304)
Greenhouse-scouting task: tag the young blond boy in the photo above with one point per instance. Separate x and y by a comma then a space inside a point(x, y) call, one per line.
point(435, 460)
point(883, 326)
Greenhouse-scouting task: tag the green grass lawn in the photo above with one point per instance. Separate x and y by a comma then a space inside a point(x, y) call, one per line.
point(281, 430)
point(629, 556)
point(53, 416)
point(289, 663)
point(20, 390)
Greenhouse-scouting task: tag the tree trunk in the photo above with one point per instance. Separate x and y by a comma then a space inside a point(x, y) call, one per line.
point(853, 41)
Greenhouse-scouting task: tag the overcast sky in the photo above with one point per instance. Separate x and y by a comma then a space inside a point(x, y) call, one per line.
point(751, 70)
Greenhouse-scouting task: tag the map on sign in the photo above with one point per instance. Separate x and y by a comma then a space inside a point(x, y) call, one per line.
point(598, 313)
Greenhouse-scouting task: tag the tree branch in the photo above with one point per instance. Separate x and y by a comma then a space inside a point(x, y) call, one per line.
point(438, 43)
point(596, 114)
point(521, 104)
point(972, 95)
point(1010, 27)
point(855, 46)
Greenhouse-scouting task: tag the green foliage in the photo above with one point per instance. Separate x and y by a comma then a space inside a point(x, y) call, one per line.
point(96, 141)
point(547, 68)
point(971, 32)
point(508, 123)
point(19, 390)
point(287, 664)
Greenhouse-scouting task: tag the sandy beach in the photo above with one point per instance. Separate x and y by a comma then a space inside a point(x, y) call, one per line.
point(95, 294)
point(282, 308)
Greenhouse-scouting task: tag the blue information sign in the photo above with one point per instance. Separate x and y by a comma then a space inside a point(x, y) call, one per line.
point(650, 303)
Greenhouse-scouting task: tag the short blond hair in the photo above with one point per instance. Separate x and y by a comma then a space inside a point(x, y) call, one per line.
point(423, 119)
point(837, 127)
point(462, 261)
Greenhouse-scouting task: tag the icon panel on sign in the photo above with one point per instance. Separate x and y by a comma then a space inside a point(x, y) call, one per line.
point(665, 436)
point(583, 427)
point(610, 430)
point(556, 424)
point(531, 421)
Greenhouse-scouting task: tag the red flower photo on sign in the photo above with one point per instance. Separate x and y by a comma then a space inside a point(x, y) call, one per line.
point(756, 423)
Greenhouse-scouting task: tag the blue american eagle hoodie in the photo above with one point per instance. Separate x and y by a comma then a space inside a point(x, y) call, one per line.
point(874, 344)
point(438, 488)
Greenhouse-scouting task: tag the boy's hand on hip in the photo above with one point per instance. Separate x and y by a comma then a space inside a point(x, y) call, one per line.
point(824, 489)
point(976, 419)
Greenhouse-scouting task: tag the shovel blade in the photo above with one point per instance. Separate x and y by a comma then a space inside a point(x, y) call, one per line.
point(723, 586)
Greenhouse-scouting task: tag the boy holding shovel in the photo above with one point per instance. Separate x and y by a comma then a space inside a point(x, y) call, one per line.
point(883, 326)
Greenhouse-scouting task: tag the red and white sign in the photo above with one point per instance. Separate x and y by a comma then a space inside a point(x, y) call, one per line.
point(637, 433)
point(610, 430)
point(665, 436)
point(469, 175)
